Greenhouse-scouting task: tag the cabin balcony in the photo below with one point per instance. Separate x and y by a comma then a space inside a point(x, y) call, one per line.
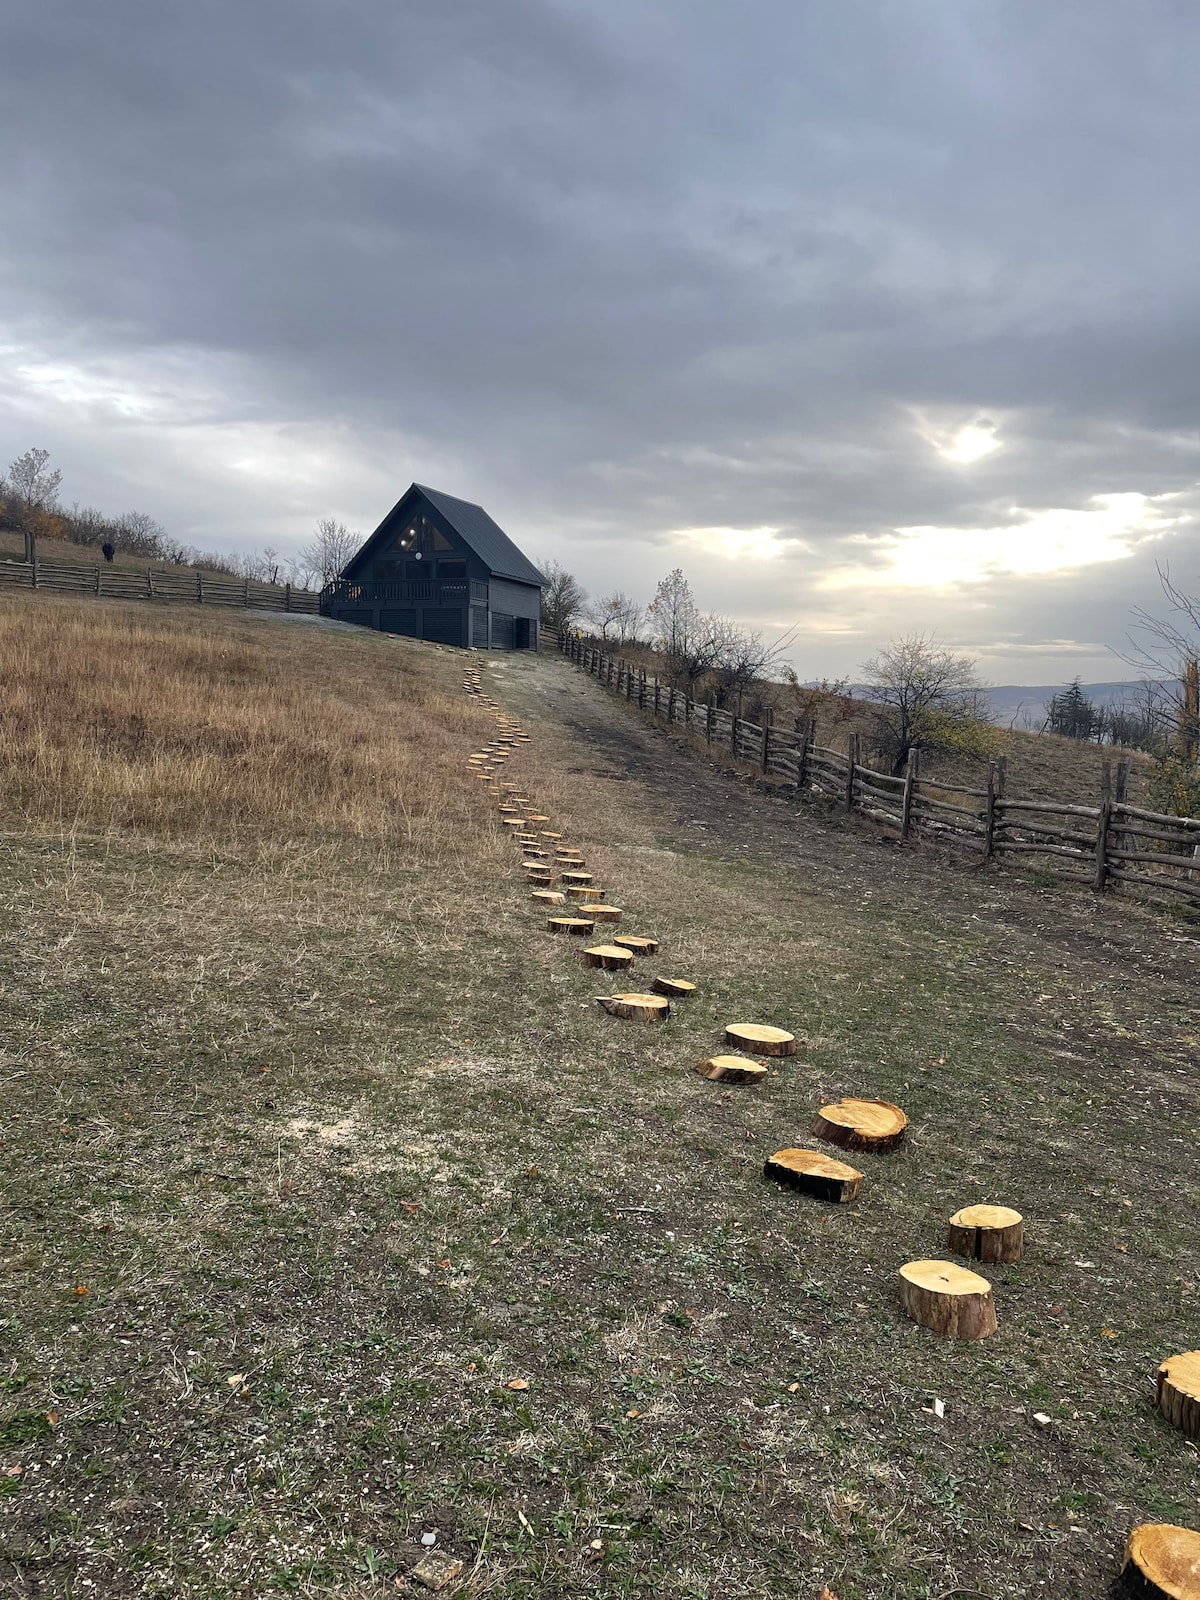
point(433, 593)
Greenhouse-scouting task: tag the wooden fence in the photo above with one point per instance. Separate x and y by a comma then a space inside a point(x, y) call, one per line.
point(1109, 845)
point(166, 584)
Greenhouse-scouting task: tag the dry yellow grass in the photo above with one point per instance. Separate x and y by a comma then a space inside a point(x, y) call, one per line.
point(122, 717)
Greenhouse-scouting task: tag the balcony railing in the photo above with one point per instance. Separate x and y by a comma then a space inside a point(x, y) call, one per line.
point(367, 593)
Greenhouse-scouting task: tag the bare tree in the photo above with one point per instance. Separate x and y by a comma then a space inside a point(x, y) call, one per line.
point(741, 657)
point(330, 551)
point(922, 696)
point(30, 490)
point(1166, 650)
point(617, 616)
point(563, 597)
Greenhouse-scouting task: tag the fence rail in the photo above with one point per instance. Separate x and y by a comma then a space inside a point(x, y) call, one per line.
point(1110, 844)
point(164, 584)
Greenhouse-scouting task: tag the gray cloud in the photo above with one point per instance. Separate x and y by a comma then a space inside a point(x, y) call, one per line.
point(617, 270)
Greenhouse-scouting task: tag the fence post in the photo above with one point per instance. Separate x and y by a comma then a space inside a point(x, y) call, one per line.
point(199, 590)
point(989, 820)
point(1102, 826)
point(910, 783)
point(287, 597)
point(708, 722)
point(768, 718)
point(246, 591)
point(35, 570)
point(806, 732)
point(149, 582)
point(851, 763)
point(1001, 777)
point(99, 569)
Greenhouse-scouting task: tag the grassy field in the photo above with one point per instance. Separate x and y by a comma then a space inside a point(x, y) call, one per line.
point(336, 1214)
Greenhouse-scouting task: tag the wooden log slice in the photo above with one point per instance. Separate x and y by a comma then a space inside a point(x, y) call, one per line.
point(638, 943)
point(1162, 1562)
point(987, 1233)
point(760, 1040)
point(814, 1174)
point(549, 897)
point(731, 1069)
point(1178, 1391)
point(576, 877)
point(512, 822)
point(535, 817)
point(507, 810)
point(570, 858)
point(579, 926)
point(675, 988)
point(636, 1007)
point(603, 913)
point(537, 866)
point(545, 834)
point(875, 1125)
point(609, 956)
point(530, 852)
point(954, 1302)
point(584, 892)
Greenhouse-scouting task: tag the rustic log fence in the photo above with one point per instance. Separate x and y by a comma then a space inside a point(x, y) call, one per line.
point(1112, 844)
point(171, 586)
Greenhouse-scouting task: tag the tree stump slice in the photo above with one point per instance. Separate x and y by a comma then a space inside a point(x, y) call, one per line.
point(535, 817)
point(542, 833)
point(508, 811)
point(570, 858)
point(584, 892)
point(760, 1040)
point(603, 913)
point(814, 1174)
point(532, 853)
point(512, 822)
point(954, 1302)
point(579, 926)
point(609, 956)
point(874, 1125)
point(1162, 1562)
point(987, 1233)
point(674, 988)
point(581, 878)
point(731, 1069)
point(638, 943)
point(636, 1007)
point(1178, 1391)
point(549, 897)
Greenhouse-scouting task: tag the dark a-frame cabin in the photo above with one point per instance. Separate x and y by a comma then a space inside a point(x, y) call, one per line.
point(439, 568)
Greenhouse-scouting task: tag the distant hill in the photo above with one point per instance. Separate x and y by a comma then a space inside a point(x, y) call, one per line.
point(1023, 705)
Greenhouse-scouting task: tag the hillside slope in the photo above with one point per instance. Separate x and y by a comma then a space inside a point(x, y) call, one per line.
point(337, 1215)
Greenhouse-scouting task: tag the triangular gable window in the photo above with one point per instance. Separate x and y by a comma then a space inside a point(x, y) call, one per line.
point(421, 535)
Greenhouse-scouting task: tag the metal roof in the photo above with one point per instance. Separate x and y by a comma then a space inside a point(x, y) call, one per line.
point(488, 540)
point(473, 525)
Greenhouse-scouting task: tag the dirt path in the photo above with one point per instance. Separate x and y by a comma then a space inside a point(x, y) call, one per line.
point(710, 808)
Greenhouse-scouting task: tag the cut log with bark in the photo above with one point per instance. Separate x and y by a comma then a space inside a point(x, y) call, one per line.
point(954, 1302)
point(674, 988)
point(759, 1039)
point(731, 1069)
point(638, 943)
point(550, 838)
point(1178, 1391)
point(507, 810)
point(609, 956)
point(814, 1174)
point(577, 926)
point(584, 892)
point(1162, 1562)
point(987, 1233)
point(512, 822)
point(531, 853)
point(603, 913)
point(636, 1007)
point(536, 817)
point(576, 877)
point(873, 1125)
point(549, 897)
point(570, 858)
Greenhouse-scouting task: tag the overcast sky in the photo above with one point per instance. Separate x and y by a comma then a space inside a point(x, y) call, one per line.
point(870, 314)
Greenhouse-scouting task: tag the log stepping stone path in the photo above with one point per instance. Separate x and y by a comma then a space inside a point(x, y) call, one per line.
point(950, 1299)
point(987, 1233)
point(815, 1174)
point(875, 1125)
point(731, 1069)
point(1162, 1562)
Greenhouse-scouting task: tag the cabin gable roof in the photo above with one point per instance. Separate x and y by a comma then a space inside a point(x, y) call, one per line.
point(473, 527)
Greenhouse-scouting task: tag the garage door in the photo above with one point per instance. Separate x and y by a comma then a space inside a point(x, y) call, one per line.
point(399, 622)
point(442, 625)
point(502, 631)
